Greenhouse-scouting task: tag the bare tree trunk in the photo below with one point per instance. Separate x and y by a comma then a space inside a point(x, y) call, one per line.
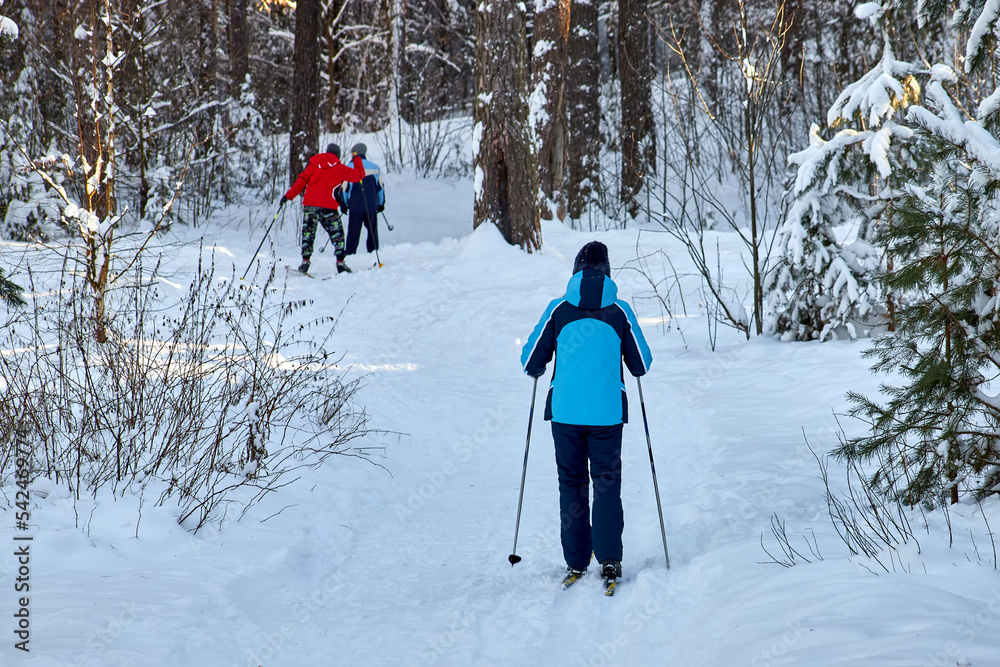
point(335, 70)
point(304, 136)
point(208, 16)
point(89, 93)
point(94, 90)
point(239, 46)
point(552, 24)
point(395, 15)
point(506, 167)
point(635, 70)
point(583, 110)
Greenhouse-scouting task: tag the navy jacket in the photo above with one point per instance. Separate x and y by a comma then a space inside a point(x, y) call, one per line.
point(367, 197)
point(590, 332)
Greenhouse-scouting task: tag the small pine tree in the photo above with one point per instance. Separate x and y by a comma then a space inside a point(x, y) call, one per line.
point(939, 429)
point(938, 433)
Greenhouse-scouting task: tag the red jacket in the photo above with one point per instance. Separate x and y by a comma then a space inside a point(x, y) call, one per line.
point(324, 172)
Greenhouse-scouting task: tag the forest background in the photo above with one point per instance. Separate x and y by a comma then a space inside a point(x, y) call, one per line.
point(851, 146)
point(206, 93)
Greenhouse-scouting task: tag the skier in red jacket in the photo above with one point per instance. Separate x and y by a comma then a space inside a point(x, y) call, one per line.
point(321, 177)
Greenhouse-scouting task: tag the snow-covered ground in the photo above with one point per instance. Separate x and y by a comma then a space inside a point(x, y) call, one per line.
point(406, 563)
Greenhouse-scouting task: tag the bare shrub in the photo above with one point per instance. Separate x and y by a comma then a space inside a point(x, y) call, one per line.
point(213, 399)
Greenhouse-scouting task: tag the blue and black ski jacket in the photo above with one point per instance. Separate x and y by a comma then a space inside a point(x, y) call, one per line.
point(369, 196)
point(590, 331)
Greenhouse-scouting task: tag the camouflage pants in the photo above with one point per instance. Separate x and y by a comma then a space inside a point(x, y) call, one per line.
point(330, 219)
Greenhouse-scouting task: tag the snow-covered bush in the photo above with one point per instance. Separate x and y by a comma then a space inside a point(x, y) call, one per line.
point(823, 288)
point(210, 401)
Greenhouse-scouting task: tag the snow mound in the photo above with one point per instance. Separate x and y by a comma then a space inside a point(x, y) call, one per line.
point(486, 242)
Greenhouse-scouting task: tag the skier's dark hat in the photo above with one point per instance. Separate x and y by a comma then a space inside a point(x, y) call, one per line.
point(594, 256)
point(333, 148)
point(360, 149)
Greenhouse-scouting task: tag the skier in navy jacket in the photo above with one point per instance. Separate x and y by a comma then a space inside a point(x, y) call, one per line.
point(365, 201)
point(590, 332)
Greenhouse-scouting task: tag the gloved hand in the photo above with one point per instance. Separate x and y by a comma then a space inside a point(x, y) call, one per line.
point(344, 209)
point(357, 161)
point(381, 207)
point(284, 200)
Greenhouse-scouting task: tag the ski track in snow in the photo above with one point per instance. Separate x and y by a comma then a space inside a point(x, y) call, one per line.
point(406, 564)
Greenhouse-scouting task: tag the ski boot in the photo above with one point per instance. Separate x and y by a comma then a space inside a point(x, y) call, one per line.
point(572, 576)
point(611, 570)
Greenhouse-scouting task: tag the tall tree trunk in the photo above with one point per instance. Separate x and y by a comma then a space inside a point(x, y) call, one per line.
point(208, 17)
point(130, 84)
point(239, 46)
point(506, 166)
point(94, 91)
point(583, 110)
point(395, 14)
point(335, 69)
point(552, 24)
point(304, 136)
point(89, 88)
point(792, 51)
point(683, 30)
point(638, 143)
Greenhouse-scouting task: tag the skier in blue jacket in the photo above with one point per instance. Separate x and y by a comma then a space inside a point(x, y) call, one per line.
point(365, 201)
point(590, 332)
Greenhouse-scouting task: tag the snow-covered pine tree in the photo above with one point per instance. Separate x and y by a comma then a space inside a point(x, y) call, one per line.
point(938, 434)
point(821, 287)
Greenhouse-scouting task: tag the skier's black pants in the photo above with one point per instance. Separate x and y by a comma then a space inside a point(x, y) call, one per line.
point(355, 220)
point(602, 447)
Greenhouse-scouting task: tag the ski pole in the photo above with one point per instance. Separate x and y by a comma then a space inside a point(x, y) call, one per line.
point(514, 558)
point(261, 242)
point(386, 221)
point(652, 467)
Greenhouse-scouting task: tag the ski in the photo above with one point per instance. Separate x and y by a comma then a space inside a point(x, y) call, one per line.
point(571, 578)
point(609, 586)
point(292, 269)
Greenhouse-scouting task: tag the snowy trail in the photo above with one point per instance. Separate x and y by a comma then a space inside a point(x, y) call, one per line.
point(444, 521)
point(406, 564)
